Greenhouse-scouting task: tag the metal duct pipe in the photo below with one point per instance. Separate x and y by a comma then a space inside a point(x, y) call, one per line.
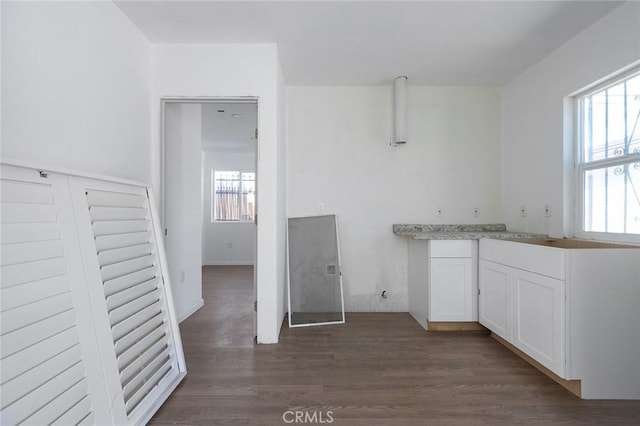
point(400, 111)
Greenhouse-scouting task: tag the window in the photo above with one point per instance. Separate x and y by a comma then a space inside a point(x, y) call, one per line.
point(609, 157)
point(233, 196)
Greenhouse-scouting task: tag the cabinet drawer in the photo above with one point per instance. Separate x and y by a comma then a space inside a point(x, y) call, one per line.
point(548, 261)
point(451, 248)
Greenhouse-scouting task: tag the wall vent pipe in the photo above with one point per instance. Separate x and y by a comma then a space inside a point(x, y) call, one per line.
point(400, 111)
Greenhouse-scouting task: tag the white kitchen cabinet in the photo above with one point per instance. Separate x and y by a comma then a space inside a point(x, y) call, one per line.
point(495, 298)
point(539, 322)
point(522, 303)
point(452, 280)
point(451, 295)
point(443, 280)
point(525, 309)
point(570, 305)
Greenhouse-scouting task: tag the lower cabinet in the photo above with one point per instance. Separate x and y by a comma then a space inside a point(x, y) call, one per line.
point(451, 293)
point(570, 305)
point(525, 309)
point(539, 324)
point(453, 281)
point(443, 281)
point(495, 308)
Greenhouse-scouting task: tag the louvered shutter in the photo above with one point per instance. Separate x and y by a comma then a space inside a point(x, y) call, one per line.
point(130, 272)
point(89, 334)
point(44, 377)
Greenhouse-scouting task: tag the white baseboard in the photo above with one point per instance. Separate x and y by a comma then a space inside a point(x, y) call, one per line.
point(228, 263)
point(183, 316)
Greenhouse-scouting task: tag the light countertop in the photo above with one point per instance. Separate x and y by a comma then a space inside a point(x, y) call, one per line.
point(458, 232)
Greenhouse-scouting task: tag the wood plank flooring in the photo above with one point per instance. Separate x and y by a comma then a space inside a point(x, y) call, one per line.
point(377, 369)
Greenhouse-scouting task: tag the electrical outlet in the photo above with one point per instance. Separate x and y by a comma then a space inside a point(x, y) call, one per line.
point(523, 211)
point(331, 269)
point(320, 207)
point(547, 210)
point(439, 212)
point(182, 276)
point(476, 212)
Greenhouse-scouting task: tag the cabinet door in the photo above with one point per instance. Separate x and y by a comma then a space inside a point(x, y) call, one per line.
point(451, 294)
point(539, 318)
point(495, 285)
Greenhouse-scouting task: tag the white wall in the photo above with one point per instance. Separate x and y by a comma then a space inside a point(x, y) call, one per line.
point(183, 139)
point(537, 157)
point(1, 72)
point(225, 243)
point(75, 88)
point(235, 70)
point(281, 195)
point(339, 155)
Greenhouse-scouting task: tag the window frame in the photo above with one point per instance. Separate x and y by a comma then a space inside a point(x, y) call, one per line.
point(582, 167)
point(213, 217)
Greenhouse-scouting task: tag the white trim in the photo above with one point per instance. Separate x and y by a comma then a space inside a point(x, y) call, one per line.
point(288, 269)
point(69, 172)
point(578, 199)
point(236, 222)
point(162, 398)
point(192, 310)
point(313, 324)
point(611, 162)
point(603, 82)
point(569, 176)
point(210, 99)
point(163, 169)
point(340, 269)
point(610, 81)
point(228, 263)
point(609, 237)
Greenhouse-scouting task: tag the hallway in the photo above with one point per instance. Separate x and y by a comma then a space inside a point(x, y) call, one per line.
point(226, 319)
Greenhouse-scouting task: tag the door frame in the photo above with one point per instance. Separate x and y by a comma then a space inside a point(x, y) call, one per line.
point(164, 100)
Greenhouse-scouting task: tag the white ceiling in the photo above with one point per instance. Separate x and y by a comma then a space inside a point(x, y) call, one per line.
point(229, 126)
point(484, 43)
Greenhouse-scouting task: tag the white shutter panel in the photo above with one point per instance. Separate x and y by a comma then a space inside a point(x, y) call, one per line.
point(132, 279)
point(122, 249)
point(88, 333)
point(43, 376)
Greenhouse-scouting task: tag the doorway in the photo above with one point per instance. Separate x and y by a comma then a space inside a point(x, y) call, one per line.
point(209, 188)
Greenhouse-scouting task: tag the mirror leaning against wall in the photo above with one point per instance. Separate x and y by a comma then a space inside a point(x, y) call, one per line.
point(315, 277)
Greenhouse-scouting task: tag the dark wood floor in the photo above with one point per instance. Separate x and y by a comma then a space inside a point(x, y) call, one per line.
point(377, 369)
